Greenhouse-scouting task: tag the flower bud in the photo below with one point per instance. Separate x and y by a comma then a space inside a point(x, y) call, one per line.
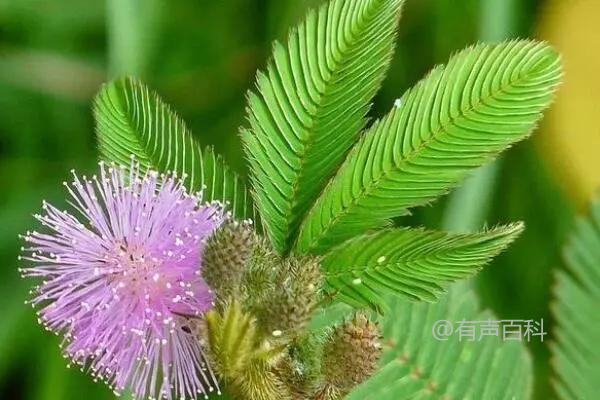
point(232, 340)
point(242, 360)
point(295, 294)
point(259, 279)
point(351, 353)
point(300, 367)
point(225, 257)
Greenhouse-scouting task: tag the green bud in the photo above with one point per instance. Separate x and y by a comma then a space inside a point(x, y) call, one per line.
point(259, 279)
point(293, 299)
point(351, 353)
point(300, 368)
point(232, 340)
point(225, 257)
point(241, 359)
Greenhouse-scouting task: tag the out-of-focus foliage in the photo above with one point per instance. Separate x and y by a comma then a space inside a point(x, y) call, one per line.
point(417, 365)
point(575, 354)
point(202, 56)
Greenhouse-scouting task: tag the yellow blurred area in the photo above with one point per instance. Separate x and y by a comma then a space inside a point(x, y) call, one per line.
point(571, 136)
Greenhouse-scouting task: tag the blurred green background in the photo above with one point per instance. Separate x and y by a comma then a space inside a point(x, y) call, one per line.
point(201, 56)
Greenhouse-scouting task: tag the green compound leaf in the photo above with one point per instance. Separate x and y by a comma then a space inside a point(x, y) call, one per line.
point(575, 352)
point(310, 106)
point(414, 263)
point(132, 120)
point(416, 365)
point(459, 117)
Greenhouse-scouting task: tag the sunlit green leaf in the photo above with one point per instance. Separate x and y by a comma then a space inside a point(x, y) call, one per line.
point(414, 263)
point(462, 115)
point(132, 120)
point(310, 106)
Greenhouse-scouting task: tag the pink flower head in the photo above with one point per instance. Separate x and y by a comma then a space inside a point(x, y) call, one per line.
point(121, 280)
